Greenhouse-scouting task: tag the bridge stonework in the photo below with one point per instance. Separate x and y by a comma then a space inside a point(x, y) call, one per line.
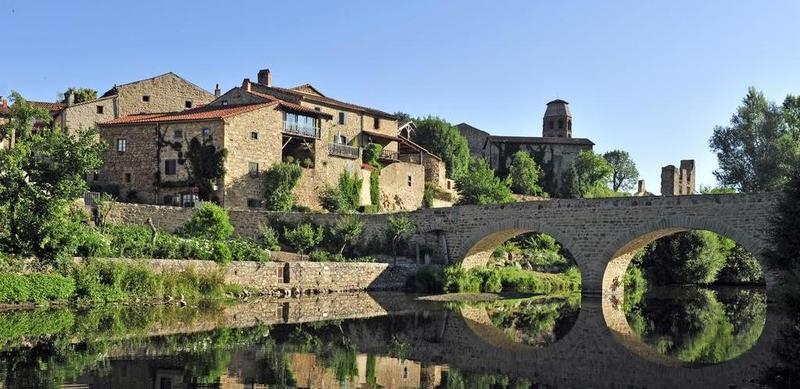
point(602, 234)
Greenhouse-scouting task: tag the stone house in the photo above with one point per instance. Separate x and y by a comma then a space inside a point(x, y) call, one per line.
point(163, 93)
point(260, 125)
point(554, 151)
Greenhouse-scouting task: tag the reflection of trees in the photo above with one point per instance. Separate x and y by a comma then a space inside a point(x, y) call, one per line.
point(457, 379)
point(700, 326)
point(535, 322)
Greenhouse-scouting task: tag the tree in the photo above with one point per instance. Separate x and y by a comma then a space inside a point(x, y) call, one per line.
point(209, 221)
point(400, 227)
point(279, 183)
point(525, 174)
point(623, 170)
point(39, 175)
point(347, 229)
point(590, 173)
point(444, 140)
point(80, 94)
point(303, 237)
point(756, 151)
point(402, 117)
point(785, 231)
point(479, 185)
point(693, 257)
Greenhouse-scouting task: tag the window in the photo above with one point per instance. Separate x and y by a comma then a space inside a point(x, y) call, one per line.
point(168, 200)
point(560, 124)
point(409, 180)
point(95, 176)
point(100, 109)
point(188, 104)
point(177, 134)
point(128, 177)
point(316, 109)
point(206, 131)
point(252, 168)
point(254, 135)
point(552, 124)
point(170, 167)
point(253, 203)
point(376, 123)
point(146, 98)
point(341, 117)
point(340, 139)
point(224, 102)
point(122, 145)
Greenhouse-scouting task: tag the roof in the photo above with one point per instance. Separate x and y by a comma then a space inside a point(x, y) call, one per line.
point(114, 91)
point(321, 99)
point(289, 106)
point(206, 112)
point(540, 140)
point(52, 107)
point(557, 107)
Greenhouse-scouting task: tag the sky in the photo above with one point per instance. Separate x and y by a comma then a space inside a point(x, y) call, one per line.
point(649, 77)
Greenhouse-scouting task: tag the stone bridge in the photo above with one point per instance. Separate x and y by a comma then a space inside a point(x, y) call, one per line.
point(601, 234)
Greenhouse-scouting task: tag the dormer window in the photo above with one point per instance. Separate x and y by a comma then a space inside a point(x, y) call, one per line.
point(146, 98)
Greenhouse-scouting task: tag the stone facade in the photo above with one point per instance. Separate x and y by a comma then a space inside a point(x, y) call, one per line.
point(164, 93)
point(554, 152)
point(678, 181)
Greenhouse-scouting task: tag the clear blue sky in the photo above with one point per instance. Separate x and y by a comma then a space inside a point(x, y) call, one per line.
point(652, 78)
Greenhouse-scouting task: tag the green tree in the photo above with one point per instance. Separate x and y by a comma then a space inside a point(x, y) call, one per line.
point(39, 175)
point(81, 95)
point(279, 183)
point(479, 185)
point(347, 229)
point(371, 154)
point(303, 237)
point(590, 173)
point(209, 221)
point(400, 227)
point(444, 140)
point(623, 170)
point(757, 150)
point(525, 175)
point(693, 257)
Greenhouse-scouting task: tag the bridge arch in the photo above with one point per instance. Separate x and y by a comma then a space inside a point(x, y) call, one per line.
point(625, 247)
point(483, 241)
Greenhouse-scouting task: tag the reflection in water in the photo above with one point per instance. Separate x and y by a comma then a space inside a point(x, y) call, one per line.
point(535, 322)
point(396, 343)
point(699, 326)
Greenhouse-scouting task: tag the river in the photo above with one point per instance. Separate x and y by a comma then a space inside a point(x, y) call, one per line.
point(671, 337)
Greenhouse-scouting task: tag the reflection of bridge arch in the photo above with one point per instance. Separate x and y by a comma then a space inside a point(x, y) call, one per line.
point(480, 245)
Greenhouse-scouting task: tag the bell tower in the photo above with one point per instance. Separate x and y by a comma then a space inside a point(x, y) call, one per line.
point(557, 121)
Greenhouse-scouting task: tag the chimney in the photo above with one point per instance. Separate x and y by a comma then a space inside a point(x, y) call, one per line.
point(642, 189)
point(70, 98)
point(246, 84)
point(217, 92)
point(265, 77)
point(3, 102)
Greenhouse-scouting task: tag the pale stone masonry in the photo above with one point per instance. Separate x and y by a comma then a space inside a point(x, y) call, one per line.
point(554, 151)
point(261, 125)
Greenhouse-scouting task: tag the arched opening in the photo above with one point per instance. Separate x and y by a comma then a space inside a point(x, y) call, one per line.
point(684, 296)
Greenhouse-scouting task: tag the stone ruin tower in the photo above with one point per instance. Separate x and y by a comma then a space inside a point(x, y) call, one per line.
point(678, 182)
point(557, 121)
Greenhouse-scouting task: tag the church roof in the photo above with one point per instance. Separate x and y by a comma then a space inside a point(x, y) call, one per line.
point(557, 107)
point(540, 140)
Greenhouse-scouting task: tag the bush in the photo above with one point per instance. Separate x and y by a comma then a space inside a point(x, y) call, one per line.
point(495, 280)
point(429, 279)
point(100, 281)
point(279, 183)
point(268, 237)
point(427, 196)
point(34, 287)
point(220, 252)
point(192, 285)
point(375, 189)
point(303, 237)
point(345, 196)
point(245, 250)
point(371, 154)
point(139, 281)
point(168, 246)
point(92, 243)
point(209, 221)
point(130, 241)
point(346, 230)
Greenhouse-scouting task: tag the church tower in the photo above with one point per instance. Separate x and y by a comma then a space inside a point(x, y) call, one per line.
point(557, 122)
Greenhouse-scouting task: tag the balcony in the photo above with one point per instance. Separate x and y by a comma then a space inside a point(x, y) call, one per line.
point(344, 151)
point(301, 129)
point(389, 156)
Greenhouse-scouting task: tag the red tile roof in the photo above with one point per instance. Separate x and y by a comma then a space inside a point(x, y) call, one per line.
point(290, 106)
point(206, 112)
point(52, 107)
point(322, 99)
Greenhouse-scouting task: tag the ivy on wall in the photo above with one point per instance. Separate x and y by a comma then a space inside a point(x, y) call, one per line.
point(206, 164)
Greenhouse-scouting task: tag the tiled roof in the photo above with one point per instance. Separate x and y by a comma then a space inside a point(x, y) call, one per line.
point(541, 140)
point(290, 106)
point(323, 99)
point(206, 112)
point(52, 107)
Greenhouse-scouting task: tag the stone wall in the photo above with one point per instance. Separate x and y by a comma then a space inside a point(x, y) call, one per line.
point(167, 93)
point(555, 159)
point(85, 115)
point(300, 277)
point(402, 186)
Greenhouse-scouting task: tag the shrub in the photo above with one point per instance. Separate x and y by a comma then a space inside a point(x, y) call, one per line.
point(429, 279)
point(371, 154)
point(427, 196)
point(303, 237)
point(141, 282)
point(400, 227)
point(92, 243)
point(100, 281)
point(130, 241)
point(346, 230)
point(345, 196)
point(34, 287)
point(279, 183)
point(268, 237)
point(209, 221)
point(245, 250)
point(192, 285)
point(220, 252)
point(168, 246)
